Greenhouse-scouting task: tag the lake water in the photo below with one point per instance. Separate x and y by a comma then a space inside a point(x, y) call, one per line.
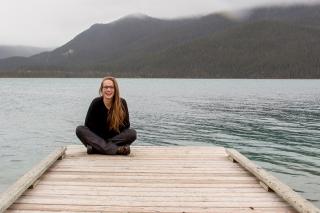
point(275, 123)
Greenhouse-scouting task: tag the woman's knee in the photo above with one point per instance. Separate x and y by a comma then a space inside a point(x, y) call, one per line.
point(132, 134)
point(79, 130)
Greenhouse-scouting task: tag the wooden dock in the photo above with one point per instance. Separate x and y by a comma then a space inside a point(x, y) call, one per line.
point(151, 179)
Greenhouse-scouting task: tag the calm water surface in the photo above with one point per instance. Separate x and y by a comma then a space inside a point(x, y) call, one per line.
point(276, 123)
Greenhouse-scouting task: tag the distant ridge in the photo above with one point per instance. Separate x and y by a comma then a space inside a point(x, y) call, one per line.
point(272, 42)
point(7, 51)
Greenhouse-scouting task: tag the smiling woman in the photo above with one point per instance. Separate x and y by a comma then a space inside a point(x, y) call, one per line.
point(107, 126)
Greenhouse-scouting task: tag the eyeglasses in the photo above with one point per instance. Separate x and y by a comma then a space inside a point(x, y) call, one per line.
point(108, 87)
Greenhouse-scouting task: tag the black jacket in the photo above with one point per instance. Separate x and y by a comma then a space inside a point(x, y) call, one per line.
point(96, 119)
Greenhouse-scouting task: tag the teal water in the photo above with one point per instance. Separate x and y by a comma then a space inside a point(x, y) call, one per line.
point(275, 123)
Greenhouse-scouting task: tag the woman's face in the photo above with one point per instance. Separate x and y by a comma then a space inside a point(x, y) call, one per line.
point(108, 89)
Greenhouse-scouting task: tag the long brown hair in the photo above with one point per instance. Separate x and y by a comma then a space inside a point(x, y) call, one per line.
point(116, 112)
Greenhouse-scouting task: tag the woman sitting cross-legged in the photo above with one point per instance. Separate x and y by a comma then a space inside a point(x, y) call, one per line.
point(107, 127)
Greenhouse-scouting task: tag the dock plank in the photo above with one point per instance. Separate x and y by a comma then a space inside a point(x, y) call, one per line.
point(27, 208)
point(150, 179)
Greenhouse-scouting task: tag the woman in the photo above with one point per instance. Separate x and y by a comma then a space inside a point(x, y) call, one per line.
point(107, 126)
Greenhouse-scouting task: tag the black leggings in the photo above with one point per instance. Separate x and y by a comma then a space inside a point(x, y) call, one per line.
point(101, 146)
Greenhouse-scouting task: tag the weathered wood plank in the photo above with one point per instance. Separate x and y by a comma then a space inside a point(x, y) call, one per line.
point(154, 193)
point(190, 149)
point(139, 162)
point(119, 177)
point(97, 208)
point(152, 168)
point(159, 185)
point(160, 173)
point(284, 191)
point(13, 192)
point(131, 165)
point(136, 202)
point(230, 188)
point(155, 198)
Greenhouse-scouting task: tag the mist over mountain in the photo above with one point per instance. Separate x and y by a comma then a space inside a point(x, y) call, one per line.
point(7, 51)
point(272, 42)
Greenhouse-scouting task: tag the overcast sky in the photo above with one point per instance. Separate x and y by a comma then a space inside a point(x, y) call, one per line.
point(51, 23)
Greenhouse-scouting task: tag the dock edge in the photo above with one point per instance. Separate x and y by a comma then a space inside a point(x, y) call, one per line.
point(294, 199)
point(8, 197)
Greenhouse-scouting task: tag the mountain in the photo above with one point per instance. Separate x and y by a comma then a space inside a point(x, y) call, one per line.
point(255, 50)
point(273, 42)
point(7, 51)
